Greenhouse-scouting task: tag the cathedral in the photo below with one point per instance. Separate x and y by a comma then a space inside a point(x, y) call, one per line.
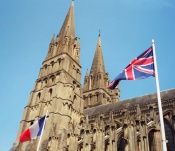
point(90, 117)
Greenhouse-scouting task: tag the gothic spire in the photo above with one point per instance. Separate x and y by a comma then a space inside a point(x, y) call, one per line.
point(95, 89)
point(98, 62)
point(68, 27)
point(66, 37)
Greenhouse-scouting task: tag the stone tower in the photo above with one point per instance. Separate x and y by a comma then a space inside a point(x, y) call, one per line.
point(57, 90)
point(95, 91)
point(102, 123)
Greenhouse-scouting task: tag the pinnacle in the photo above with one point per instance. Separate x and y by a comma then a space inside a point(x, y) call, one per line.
point(87, 72)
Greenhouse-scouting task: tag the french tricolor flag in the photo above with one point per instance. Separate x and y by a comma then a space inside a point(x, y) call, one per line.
point(33, 131)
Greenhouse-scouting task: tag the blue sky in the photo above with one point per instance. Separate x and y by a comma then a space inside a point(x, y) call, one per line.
point(127, 28)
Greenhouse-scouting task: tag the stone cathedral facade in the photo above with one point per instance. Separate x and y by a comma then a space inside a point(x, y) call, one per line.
point(90, 117)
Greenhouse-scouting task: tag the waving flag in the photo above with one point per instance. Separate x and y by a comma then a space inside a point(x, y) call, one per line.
point(33, 131)
point(140, 68)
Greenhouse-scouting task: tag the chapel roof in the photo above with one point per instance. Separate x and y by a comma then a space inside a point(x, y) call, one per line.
point(129, 103)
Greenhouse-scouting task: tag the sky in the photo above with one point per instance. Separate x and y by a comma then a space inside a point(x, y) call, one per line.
point(126, 27)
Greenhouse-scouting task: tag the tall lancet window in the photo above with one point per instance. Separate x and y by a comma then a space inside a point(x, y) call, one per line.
point(151, 139)
point(38, 97)
point(52, 65)
point(169, 136)
point(121, 143)
point(45, 66)
point(49, 95)
point(59, 61)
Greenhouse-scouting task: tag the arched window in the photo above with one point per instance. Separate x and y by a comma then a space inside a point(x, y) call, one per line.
point(151, 139)
point(74, 98)
point(45, 82)
point(107, 129)
point(52, 64)
point(45, 66)
point(38, 96)
point(88, 99)
point(121, 143)
point(169, 136)
point(50, 94)
point(97, 94)
point(57, 76)
point(52, 78)
point(74, 82)
point(59, 61)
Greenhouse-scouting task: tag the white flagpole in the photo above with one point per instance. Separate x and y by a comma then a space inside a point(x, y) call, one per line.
point(42, 132)
point(159, 100)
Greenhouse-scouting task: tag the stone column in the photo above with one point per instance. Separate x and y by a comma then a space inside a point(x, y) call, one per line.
point(99, 140)
point(145, 143)
point(111, 138)
point(126, 135)
point(132, 138)
point(87, 143)
point(73, 142)
point(88, 100)
point(157, 143)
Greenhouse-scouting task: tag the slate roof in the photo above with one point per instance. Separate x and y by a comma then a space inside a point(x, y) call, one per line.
point(143, 100)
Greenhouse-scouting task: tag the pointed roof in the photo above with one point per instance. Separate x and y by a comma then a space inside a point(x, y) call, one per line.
point(98, 61)
point(67, 30)
point(68, 27)
point(52, 40)
point(87, 73)
point(78, 43)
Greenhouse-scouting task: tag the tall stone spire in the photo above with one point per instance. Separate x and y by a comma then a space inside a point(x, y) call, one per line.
point(68, 27)
point(66, 40)
point(95, 90)
point(97, 71)
point(98, 61)
point(58, 90)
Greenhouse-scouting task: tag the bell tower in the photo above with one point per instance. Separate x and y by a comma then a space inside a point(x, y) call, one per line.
point(58, 90)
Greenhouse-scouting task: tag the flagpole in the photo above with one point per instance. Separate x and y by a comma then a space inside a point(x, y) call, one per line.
point(159, 100)
point(42, 132)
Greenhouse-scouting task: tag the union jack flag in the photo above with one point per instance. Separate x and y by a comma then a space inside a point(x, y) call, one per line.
point(140, 68)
